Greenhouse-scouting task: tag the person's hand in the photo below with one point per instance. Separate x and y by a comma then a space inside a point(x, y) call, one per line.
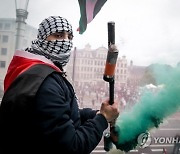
point(110, 112)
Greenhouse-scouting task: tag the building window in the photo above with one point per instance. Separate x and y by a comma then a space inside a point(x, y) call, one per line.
point(7, 26)
point(4, 38)
point(3, 51)
point(1, 25)
point(2, 64)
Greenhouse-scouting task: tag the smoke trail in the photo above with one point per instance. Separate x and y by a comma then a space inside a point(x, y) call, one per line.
point(151, 109)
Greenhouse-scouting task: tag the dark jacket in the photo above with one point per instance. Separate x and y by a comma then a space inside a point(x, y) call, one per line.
point(39, 114)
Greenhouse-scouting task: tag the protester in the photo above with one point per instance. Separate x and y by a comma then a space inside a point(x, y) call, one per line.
point(39, 111)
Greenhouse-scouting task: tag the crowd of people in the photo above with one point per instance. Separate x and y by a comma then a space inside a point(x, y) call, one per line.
point(89, 95)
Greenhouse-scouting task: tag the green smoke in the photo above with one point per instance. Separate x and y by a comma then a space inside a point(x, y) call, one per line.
point(151, 109)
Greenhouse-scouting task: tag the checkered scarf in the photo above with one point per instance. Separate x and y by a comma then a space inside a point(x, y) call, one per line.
point(58, 51)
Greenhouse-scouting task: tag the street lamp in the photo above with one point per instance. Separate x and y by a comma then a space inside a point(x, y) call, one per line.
point(21, 16)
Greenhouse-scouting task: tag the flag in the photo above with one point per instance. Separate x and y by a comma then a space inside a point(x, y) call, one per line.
point(88, 10)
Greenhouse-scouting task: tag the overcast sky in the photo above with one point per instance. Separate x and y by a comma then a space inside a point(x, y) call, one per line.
point(147, 31)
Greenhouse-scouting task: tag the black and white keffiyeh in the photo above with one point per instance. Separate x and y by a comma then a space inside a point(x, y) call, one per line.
point(58, 51)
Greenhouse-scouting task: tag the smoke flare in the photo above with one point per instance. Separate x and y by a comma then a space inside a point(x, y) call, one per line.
point(151, 109)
